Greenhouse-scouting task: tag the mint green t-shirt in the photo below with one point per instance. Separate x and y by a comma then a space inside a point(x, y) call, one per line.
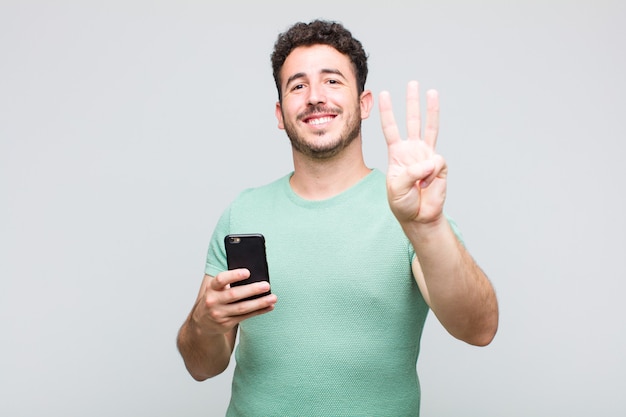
point(344, 337)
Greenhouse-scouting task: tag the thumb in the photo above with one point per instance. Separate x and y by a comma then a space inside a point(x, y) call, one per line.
point(402, 183)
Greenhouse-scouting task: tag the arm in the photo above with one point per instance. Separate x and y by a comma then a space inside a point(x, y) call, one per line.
point(453, 285)
point(207, 338)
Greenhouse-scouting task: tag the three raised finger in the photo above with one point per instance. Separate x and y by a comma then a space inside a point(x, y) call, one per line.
point(387, 119)
point(413, 115)
point(431, 130)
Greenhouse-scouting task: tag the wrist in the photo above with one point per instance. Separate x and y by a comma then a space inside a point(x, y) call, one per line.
point(425, 230)
point(432, 237)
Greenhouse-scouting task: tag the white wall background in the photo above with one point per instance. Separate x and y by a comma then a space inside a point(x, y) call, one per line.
point(127, 126)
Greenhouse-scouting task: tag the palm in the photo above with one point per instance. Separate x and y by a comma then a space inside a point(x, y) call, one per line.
point(416, 177)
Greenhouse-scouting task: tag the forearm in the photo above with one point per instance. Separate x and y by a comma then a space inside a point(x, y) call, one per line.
point(205, 355)
point(459, 293)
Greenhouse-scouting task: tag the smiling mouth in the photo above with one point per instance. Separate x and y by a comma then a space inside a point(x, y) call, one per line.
point(315, 121)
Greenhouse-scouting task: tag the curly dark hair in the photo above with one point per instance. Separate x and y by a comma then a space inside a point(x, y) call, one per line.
point(320, 32)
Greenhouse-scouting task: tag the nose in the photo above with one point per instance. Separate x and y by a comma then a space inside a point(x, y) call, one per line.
point(316, 94)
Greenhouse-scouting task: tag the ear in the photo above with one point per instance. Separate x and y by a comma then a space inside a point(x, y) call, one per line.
point(279, 115)
point(366, 101)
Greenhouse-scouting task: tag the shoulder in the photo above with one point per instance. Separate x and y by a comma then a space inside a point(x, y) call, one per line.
point(267, 191)
point(376, 180)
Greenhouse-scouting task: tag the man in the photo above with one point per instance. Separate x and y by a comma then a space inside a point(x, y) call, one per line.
point(356, 258)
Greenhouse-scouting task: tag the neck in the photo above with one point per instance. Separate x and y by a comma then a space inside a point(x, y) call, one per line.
point(321, 179)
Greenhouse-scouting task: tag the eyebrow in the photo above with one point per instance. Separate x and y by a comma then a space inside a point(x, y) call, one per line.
point(323, 71)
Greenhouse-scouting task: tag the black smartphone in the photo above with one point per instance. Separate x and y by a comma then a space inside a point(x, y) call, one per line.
point(248, 251)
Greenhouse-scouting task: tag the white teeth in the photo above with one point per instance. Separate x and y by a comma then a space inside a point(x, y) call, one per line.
point(320, 120)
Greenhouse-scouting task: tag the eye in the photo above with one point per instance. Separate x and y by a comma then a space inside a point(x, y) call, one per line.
point(297, 87)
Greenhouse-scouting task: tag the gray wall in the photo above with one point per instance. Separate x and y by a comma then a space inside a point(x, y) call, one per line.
point(127, 126)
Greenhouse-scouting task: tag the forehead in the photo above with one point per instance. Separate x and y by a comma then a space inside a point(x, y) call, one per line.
point(315, 59)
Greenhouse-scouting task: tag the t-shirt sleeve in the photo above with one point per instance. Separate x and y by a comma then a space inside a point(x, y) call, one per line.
point(456, 230)
point(216, 255)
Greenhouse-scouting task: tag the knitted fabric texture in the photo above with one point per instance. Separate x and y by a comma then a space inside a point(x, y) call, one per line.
point(344, 337)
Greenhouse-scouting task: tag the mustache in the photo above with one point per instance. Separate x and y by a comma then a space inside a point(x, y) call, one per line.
point(318, 109)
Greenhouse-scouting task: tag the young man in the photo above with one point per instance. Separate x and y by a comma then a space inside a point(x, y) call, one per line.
point(356, 258)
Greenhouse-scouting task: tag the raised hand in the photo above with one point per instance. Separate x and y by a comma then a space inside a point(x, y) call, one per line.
point(416, 176)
